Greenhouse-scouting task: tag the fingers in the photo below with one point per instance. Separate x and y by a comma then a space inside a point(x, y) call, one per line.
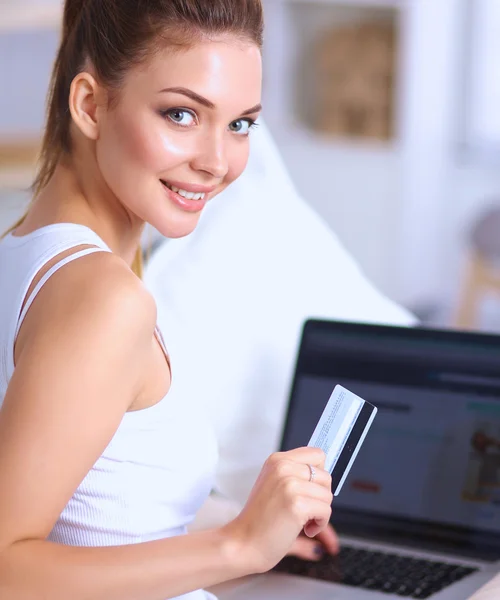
point(319, 517)
point(308, 455)
point(326, 541)
point(329, 539)
point(306, 549)
point(287, 467)
point(314, 491)
point(321, 477)
point(307, 502)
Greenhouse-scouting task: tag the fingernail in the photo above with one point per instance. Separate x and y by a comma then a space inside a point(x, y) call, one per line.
point(319, 550)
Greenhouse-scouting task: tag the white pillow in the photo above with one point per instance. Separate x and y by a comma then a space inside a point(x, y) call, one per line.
point(232, 298)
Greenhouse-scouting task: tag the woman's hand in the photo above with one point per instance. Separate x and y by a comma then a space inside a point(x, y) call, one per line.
point(284, 503)
point(326, 542)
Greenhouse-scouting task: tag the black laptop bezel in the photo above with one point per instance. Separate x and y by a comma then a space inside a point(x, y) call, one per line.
point(453, 346)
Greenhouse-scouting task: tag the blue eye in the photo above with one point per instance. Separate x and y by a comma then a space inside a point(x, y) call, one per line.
point(242, 126)
point(180, 116)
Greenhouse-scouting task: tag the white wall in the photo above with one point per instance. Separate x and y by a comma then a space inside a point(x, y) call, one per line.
point(355, 187)
point(25, 66)
point(430, 64)
point(357, 190)
point(443, 189)
point(401, 211)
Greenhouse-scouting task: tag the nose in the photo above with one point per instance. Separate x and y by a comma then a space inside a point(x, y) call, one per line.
point(211, 156)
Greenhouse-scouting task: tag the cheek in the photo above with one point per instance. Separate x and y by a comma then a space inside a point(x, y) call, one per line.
point(135, 149)
point(154, 147)
point(123, 153)
point(238, 160)
point(138, 145)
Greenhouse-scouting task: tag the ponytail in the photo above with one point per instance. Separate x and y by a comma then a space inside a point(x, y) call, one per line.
point(72, 15)
point(70, 59)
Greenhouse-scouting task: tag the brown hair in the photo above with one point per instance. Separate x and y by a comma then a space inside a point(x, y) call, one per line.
point(115, 35)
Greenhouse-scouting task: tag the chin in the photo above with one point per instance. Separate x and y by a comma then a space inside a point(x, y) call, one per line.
point(178, 226)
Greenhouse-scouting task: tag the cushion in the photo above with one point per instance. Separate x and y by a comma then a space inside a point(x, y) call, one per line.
point(232, 299)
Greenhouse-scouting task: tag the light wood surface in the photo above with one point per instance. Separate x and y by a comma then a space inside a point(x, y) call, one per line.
point(14, 153)
point(223, 589)
point(17, 16)
point(491, 591)
point(17, 163)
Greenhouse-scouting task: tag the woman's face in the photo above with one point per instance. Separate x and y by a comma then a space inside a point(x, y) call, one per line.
point(179, 133)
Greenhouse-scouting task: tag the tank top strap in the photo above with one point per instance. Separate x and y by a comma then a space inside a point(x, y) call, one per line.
point(47, 276)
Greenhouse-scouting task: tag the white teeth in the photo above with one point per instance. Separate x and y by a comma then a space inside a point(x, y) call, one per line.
point(185, 194)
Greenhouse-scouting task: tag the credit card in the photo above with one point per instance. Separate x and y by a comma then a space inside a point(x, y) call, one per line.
point(340, 432)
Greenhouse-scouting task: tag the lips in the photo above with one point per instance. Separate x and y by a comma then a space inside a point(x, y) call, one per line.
point(187, 201)
point(184, 193)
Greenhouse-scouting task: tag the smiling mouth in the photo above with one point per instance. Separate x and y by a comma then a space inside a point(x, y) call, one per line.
point(184, 193)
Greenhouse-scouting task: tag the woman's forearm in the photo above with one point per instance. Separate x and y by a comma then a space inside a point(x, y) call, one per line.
point(35, 570)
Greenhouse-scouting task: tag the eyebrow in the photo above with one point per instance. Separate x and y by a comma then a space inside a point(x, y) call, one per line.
point(204, 101)
point(250, 111)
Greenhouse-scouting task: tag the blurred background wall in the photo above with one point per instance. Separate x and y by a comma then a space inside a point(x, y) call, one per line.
point(387, 113)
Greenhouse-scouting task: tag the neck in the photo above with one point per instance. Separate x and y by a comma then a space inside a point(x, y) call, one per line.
point(69, 198)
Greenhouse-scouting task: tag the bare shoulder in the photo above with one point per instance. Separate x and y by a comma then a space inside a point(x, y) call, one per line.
point(96, 299)
point(103, 282)
point(96, 293)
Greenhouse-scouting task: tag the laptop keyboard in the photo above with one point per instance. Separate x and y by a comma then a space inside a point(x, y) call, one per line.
point(373, 570)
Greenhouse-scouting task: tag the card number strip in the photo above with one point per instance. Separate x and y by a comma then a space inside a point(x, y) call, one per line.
point(354, 440)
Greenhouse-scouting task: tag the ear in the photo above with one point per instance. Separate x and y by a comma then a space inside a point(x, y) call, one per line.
point(85, 98)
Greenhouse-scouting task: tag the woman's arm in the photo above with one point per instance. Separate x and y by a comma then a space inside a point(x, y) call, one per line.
point(81, 366)
point(36, 569)
point(79, 369)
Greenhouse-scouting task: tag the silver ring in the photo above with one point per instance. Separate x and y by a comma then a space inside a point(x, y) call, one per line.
point(313, 473)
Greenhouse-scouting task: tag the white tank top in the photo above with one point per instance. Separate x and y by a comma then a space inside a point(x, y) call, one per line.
point(140, 489)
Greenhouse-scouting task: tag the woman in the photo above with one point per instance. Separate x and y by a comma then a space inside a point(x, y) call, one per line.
point(148, 119)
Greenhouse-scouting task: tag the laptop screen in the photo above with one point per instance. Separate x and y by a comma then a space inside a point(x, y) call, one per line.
point(428, 472)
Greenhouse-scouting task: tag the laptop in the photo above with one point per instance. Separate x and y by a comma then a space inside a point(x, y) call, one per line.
point(419, 513)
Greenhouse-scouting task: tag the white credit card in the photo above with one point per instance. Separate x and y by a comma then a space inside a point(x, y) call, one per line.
point(340, 432)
